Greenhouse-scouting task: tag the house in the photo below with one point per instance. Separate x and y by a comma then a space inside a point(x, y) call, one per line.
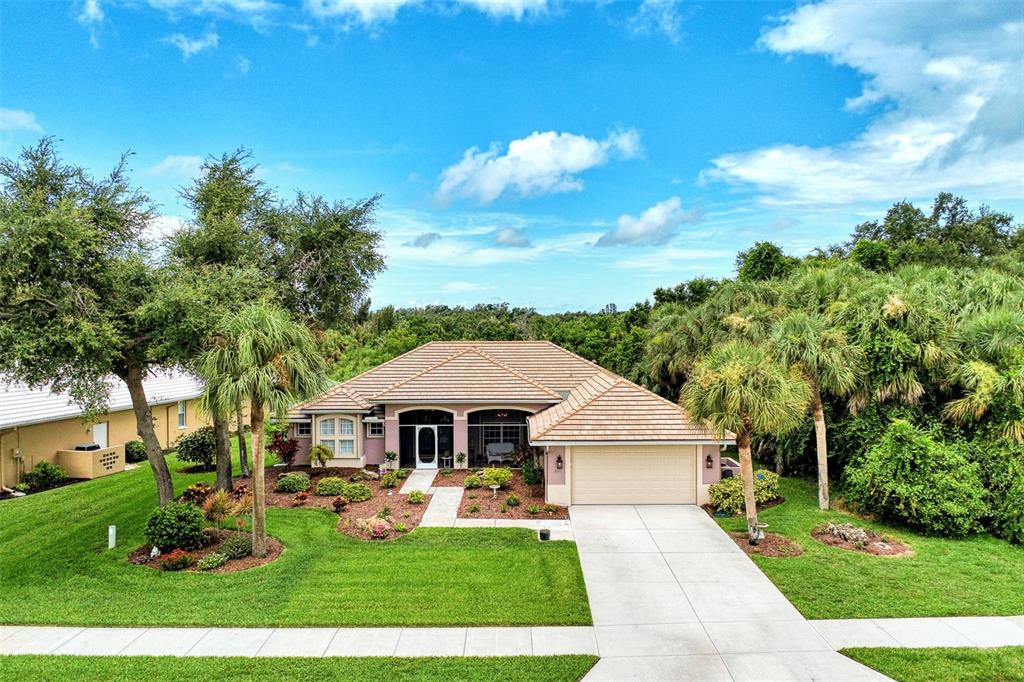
point(37, 425)
point(605, 440)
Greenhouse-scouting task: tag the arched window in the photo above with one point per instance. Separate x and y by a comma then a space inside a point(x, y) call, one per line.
point(338, 434)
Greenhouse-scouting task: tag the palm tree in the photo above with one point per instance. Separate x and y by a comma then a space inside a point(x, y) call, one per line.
point(827, 361)
point(262, 357)
point(739, 387)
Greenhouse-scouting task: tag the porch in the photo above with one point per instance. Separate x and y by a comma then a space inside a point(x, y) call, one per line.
point(433, 438)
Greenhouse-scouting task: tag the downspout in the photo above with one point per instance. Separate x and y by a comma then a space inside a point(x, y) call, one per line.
point(3, 458)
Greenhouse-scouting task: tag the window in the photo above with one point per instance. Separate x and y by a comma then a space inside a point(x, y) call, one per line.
point(375, 429)
point(346, 427)
point(181, 414)
point(338, 434)
point(302, 429)
point(326, 427)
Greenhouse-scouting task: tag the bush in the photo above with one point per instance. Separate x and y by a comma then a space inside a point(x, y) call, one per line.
point(357, 492)
point(45, 476)
point(474, 508)
point(512, 501)
point(500, 476)
point(400, 528)
point(727, 494)
point(134, 451)
point(284, 448)
point(532, 474)
point(384, 513)
point(178, 560)
point(212, 561)
point(401, 473)
point(300, 499)
point(198, 447)
point(330, 485)
point(339, 504)
point(472, 481)
point(295, 482)
point(912, 478)
point(177, 525)
point(533, 509)
point(319, 455)
point(378, 528)
point(237, 546)
point(388, 480)
point(196, 493)
point(416, 497)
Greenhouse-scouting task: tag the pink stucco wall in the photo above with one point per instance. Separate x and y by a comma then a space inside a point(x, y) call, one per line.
point(714, 474)
point(552, 474)
point(373, 448)
point(305, 443)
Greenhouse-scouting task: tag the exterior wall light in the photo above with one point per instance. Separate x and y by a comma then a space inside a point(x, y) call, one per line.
point(709, 462)
point(558, 462)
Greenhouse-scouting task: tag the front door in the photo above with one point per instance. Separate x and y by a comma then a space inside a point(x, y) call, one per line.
point(99, 434)
point(426, 447)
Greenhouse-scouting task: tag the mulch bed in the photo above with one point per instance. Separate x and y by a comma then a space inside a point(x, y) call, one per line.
point(490, 507)
point(878, 545)
point(140, 556)
point(452, 478)
point(402, 511)
point(760, 507)
point(773, 545)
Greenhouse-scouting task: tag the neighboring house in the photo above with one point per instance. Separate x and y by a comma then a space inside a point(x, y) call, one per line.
point(605, 440)
point(37, 425)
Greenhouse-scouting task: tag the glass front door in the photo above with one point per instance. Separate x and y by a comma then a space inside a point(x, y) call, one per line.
point(426, 447)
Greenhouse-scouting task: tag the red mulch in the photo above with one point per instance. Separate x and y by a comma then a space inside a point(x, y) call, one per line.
point(773, 545)
point(402, 511)
point(452, 478)
point(490, 506)
point(274, 548)
point(878, 545)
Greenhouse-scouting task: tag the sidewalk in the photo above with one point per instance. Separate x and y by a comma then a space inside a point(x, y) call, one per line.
point(987, 631)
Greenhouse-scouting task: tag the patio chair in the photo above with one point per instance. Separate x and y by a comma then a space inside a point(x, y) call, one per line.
point(499, 452)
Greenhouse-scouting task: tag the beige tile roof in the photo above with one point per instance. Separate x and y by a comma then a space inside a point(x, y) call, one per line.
point(608, 408)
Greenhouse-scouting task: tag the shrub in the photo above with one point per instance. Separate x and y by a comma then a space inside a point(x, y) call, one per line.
point(176, 525)
point(474, 508)
point(400, 528)
point(212, 561)
point(330, 485)
point(237, 546)
point(300, 499)
point(384, 513)
point(416, 497)
point(532, 474)
point(472, 481)
point(378, 528)
point(504, 507)
point(550, 508)
point(910, 477)
point(447, 473)
point(198, 447)
point(533, 509)
point(284, 448)
point(357, 492)
point(727, 495)
point(1002, 471)
point(134, 451)
point(388, 480)
point(22, 487)
point(500, 476)
point(401, 473)
point(177, 560)
point(319, 455)
point(512, 501)
point(218, 506)
point(295, 482)
point(339, 504)
point(45, 476)
point(196, 493)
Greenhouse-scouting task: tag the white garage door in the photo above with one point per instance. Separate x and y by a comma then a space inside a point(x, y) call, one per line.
point(641, 474)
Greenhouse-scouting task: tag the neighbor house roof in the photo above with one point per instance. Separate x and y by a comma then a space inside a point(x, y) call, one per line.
point(21, 405)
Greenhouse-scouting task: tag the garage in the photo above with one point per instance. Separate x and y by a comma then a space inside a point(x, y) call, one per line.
point(634, 474)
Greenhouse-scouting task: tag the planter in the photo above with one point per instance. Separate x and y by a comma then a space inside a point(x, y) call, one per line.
point(545, 534)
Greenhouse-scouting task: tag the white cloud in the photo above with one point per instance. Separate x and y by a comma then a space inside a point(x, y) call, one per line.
point(365, 11)
point(242, 7)
point(91, 16)
point(540, 163)
point(163, 226)
point(949, 74)
point(423, 241)
point(654, 226)
point(12, 120)
point(462, 287)
point(511, 236)
point(177, 165)
point(508, 8)
point(243, 65)
point(658, 16)
point(192, 46)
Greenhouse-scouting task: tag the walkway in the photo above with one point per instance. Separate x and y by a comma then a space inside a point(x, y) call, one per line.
point(987, 631)
point(674, 598)
point(418, 479)
point(443, 508)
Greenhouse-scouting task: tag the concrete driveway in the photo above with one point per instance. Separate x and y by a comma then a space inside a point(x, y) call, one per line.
point(674, 598)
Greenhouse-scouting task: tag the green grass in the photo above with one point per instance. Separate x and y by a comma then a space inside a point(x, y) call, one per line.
point(944, 665)
point(977, 576)
point(509, 669)
point(55, 569)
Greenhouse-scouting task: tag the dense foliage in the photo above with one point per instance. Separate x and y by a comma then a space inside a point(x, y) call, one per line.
point(134, 451)
point(198, 447)
point(727, 495)
point(175, 525)
point(44, 476)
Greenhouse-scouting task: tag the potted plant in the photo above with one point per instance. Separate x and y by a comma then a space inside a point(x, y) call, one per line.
point(389, 459)
point(319, 455)
point(460, 459)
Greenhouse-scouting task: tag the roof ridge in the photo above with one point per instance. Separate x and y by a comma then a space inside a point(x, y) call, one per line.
point(421, 372)
point(516, 372)
point(615, 378)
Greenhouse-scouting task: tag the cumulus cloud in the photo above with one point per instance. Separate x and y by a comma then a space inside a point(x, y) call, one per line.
point(511, 236)
point(177, 165)
point(375, 11)
point(423, 241)
point(163, 226)
point(654, 226)
point(540, 163)
point(190, 47)
point(658, 16)
point(948, 76)
point(12, 120)
point(91, 16)
point(515, 9)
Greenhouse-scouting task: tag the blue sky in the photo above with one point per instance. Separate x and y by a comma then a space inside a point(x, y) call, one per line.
point(553, 154)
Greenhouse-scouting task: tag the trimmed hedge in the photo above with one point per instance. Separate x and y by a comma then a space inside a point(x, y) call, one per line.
point(727, 494)
point(178, 525)
point(295, 482)
point(198, 447)
point(330, 486)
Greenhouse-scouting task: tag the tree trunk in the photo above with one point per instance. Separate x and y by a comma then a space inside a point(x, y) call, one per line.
point(822, 443)
point(222, 434)
point(243, 455)
point(259, 491)
point(747, 474)
point(144, 425)
point(780, 461)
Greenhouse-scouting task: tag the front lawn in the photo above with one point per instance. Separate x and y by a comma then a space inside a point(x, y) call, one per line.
point(978, 576)
point(55, 569)
point(945, 665)
point(510, 669)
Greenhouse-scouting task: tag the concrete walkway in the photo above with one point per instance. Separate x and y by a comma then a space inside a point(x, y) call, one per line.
point(418, 479)
point(988, 631)
point(674, 598)
point(443, 508)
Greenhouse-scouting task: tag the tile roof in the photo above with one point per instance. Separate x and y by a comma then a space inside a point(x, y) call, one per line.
point(21, 405)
